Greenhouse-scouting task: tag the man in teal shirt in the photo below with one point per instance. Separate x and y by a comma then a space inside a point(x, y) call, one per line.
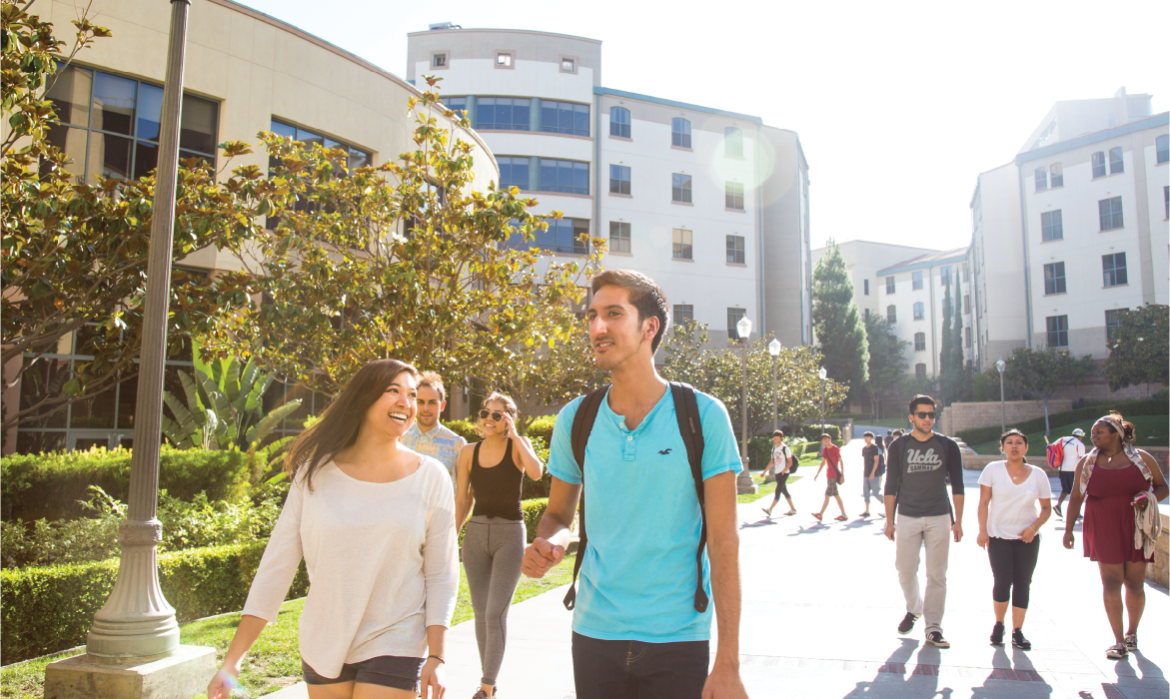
point(427, 435)
point(636, 632)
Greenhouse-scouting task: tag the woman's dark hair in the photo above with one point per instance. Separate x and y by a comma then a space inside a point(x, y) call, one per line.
point(1013, 432)
point(1124, 430)
point(921, 399)
point(341, 421)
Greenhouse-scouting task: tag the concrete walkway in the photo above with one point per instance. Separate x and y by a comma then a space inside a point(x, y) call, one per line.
point(821, 606)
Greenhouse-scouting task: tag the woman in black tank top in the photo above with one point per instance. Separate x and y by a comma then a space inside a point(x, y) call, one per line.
point(489, 481)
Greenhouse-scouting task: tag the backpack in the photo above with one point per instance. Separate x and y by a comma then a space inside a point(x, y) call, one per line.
point(1056, 455)
point(686, 409)
point(793, 461)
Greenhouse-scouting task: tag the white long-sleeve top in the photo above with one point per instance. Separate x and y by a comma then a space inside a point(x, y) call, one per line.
point(381, 559)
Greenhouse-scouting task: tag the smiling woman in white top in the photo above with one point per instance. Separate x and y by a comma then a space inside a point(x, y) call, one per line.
point(374, 523)
point(1015, 500)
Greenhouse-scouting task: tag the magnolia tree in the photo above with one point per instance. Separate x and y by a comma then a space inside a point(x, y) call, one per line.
point(1040, 373)
point(404, 260)
point(1139, 350)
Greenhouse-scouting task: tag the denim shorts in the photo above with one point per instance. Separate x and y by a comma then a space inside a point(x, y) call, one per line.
point(391, 671)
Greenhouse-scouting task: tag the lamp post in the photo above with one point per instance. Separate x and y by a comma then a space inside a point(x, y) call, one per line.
point(774, 348)
point(744, 482)
point(999, 366)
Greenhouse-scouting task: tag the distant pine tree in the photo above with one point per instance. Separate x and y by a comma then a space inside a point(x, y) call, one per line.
point(946, 356)
point(837, 322)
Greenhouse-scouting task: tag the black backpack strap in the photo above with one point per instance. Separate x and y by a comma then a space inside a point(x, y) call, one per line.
point(686, 408)
point(582, 427)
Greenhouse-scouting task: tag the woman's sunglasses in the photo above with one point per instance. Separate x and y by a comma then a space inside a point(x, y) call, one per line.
point(495, 415)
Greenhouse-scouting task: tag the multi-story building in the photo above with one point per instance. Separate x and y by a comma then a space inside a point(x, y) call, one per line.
point(712, 204)
point(246, 72)
point(863, 259)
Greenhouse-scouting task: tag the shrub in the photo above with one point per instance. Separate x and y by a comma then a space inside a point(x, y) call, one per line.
point(1149, 406)
point(542, 427)
point(50, 608)
point(50, 486)
point(466, 429)
point(533, 511)
point(813, 432)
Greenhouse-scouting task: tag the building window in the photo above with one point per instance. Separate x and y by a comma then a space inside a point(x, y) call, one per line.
point(1051, 226)
point(1113, 321)
point(619, 236)
point(680, 132)
point(1099, 164)
point(867, 314)
point(967, 337)
point(1110, 211)
point(457, 105)
point(109, 125)
point(1041, 180)
point(683, 249)
point(1116, 161)
point(733, 142)
point(1057, 179)
point(503, 113)
point(920, 371)
point(619, 179)
point(683, 313)
point(503, 59)
point(564, 117)
point(438, 60)
point(1057, 331)
point(944, 276)
point(619, 122)
point(1054, 278)
point(919, 310)
point(680, 188)
point(890, 285)
point(734, 195)
point(916, 278)
point(1113, 267)
point(735, 250)
point(733, 316)
point(966, 304)
point(865, 284)
point(1163, 147)
point(966, 273)
point(513, 172)
point(1166, 200)
point(567, 176)
point(568, 65)
point(919, 342)
point(563, 235)
point(891, 314)
point(354, 158)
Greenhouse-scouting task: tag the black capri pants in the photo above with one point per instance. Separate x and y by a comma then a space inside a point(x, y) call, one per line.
point(781, 488)
point(1012, 564)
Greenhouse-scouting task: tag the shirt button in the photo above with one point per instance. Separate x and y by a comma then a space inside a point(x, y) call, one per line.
point(630, 438)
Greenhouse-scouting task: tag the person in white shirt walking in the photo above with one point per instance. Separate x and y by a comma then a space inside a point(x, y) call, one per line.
point(781, 467)
point(375, 525)
point(1009, 526)
point(1074, 451)
point(427, 435)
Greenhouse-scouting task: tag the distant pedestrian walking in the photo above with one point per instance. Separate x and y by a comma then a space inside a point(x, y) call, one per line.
point(1072, 451)
point(781, 467)
point(1009, 526)
point(493, 546)
point(1121, 520)
point(831, 457)
point(918, 467)
point(873, 464)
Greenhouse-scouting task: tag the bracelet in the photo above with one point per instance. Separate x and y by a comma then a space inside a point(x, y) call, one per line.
point(441, 661)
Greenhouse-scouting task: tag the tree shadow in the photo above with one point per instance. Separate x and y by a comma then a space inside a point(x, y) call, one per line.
point(893, 680)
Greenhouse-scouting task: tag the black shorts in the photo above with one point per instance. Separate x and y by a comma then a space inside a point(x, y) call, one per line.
point(1066, 482)
point(391, 671)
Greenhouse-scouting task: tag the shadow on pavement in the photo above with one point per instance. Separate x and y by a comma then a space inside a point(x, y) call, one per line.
point(892, 680)
point(811, 530)
point(757, 523)
point(1017, 668)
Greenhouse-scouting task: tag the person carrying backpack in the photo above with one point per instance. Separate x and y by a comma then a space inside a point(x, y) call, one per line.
point(783, 464)
point(641, 618)
point(1064, 454)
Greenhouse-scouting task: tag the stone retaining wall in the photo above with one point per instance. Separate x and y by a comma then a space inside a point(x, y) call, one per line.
point(965, 416)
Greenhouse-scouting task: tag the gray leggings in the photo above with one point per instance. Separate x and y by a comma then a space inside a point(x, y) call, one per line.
point(493, 549)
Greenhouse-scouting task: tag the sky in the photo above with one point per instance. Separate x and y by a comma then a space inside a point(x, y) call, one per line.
point(899, 106)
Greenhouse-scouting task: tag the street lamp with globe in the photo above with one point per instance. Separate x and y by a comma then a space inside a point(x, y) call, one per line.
point(744, 483)
point(1000, 365)
point(774, 348)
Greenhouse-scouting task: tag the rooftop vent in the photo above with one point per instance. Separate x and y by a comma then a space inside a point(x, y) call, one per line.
point(443, 25)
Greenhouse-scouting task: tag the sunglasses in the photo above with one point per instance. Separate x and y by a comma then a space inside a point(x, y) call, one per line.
point(495, 415)
point(924, 415)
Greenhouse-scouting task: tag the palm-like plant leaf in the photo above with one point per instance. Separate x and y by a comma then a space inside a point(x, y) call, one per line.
point(257, 433)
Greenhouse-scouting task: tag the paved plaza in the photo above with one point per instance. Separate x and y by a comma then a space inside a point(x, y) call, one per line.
point(821, 606)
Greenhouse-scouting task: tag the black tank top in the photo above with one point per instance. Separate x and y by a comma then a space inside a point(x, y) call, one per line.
point(497, 489)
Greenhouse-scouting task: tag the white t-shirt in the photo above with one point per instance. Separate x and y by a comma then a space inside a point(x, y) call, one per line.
point(780, 457)
point(1074, 451)
point(1013, 507)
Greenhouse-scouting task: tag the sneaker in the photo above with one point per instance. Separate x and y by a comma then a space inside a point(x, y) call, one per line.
point(765, 510)
point(1117, 651)
point(907, 623)
point(1131, 642)
point(997, 634)
point(480, 694)
point(1057, 508)
point(1019, 641)
point(936, 638)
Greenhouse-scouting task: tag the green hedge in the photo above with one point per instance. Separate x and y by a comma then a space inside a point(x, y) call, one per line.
point(813, 433)
point(50, 608)
point(1151, 406)
point(466, 429)
point(35, 486)
point(542, 427)
point(533, 511)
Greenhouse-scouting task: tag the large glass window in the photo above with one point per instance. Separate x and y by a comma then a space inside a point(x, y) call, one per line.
point(619, 122)
point(735, 250)
point(1057, 331)
point(919, 310)
point(457, 105)
point(1041, 179)
point(109, 125)
point(1054, 278)
point(1116, 161)
point(680, 132)
point(916, 280)
point(1057, 175)
point(564, 117)
point(563, 235)
point(567, 176)
point(733, 142)
point(682, 248)
point(513, 172)
point(1113, 268)
point(619, 236)
point(503, 113)
point(1163, 148)
point(1099, 164)
point(619, 179)
point(683, 313)
point(1110, 212)
point(680, 188)
point(1051, 226)
point(919, 342)
point(733, 316)
point(734, 195)
point(891, 314)
point(1113, 321)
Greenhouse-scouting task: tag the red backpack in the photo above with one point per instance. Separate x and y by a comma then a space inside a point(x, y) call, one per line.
point(1056, 455)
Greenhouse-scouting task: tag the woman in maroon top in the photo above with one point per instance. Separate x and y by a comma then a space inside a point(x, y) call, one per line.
point(1114, 480)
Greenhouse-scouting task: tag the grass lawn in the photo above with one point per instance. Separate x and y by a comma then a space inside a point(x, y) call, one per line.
point(1152, 431)
point(273, 663)
point(770, 488)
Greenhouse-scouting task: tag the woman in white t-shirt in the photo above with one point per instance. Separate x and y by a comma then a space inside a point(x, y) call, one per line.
point(1009, 525)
